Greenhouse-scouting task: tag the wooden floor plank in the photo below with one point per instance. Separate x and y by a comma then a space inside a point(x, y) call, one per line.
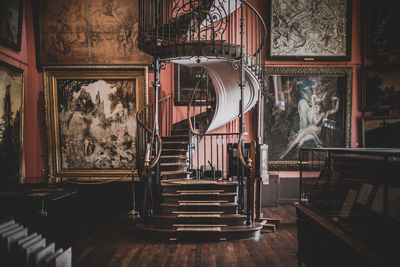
point(114, 243)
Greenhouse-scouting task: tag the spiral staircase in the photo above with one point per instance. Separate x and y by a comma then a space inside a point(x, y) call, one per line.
point(227, 39)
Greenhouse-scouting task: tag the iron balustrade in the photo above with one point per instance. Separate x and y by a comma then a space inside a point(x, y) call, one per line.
point(194, 24)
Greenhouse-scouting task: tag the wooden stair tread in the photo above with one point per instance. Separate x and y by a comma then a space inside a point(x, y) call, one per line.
point(174, 149)
point(173, 172)
point(223, 229)
point(176, 135)
point(202, 201)
point(172, 164)
point(175, 142)
point(197, 204)
point(172, 156)
point(198, 212)
point(198, 225)
point(200, 204)
point(174, 182)
point(199, 192)
point(198, 229)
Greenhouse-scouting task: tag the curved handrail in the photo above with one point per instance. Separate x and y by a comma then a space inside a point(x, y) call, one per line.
point(151, 132)
point(188, 112)
point(263, 25)
point(151, 165)
point(249, 161)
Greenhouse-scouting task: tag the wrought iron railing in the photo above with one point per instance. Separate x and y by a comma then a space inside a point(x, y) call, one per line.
point(195, 23)
point(229, 29)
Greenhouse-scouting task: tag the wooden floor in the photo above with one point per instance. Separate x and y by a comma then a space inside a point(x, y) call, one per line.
point(113, 242)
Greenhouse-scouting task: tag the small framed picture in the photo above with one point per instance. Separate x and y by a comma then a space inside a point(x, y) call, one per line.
point(381, 87)
point(383, 131)
point(11, 23)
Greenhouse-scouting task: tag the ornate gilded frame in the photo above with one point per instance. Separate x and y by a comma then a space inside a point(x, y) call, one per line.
point(345, 73)
point(51, 75)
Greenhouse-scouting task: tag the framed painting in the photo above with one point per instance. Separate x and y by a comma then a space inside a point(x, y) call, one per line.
point(305, 107)
point(381, 87)
point(11, 122)
point(309, 30)
point(381, 131)
point(91, 121)
point(11, 23)
point(382, 33)
point(88, 32)
point(185, 79)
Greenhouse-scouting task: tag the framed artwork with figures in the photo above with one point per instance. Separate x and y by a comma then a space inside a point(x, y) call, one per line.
point(88, 32)
point(91, 120)
point(305, 107)
point(309, 30)
point(11, 23)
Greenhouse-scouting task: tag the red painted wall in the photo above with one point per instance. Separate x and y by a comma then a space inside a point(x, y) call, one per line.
point(35, 150)
point(34, 155)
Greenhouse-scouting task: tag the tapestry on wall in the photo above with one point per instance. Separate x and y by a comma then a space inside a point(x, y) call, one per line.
point(92, 119)
point(11, 23)
point(305, 107)
point(11, 117)
point(89, 32)
point(309, 29)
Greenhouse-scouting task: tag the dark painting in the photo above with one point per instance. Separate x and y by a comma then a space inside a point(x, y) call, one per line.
point(382, 22)
point(381, 131)
point(305, 107)
point(381, 87)
point(89, 31)
point(11, 116)
point(11, 23)
point(185, 79)
point(309, 29)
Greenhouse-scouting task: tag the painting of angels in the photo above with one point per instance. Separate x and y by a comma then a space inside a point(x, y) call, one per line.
point(305, 107)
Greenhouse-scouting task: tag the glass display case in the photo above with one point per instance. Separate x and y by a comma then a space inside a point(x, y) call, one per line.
point(353, 207)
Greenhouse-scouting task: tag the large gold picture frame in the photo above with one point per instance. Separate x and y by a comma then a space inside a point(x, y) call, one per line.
point(91, 121)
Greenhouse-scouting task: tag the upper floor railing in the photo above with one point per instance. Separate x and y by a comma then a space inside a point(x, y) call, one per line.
point(209, 28)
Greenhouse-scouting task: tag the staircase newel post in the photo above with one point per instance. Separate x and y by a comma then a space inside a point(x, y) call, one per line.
point(156, 85)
